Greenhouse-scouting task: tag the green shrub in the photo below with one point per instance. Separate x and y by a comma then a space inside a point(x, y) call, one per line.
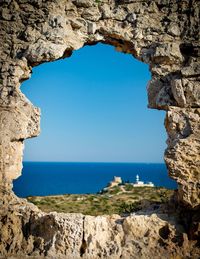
point(129, 187)
point(115, 190)
point(129, 207)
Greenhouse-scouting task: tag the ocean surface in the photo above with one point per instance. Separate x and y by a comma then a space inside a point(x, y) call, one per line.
point(50, 178)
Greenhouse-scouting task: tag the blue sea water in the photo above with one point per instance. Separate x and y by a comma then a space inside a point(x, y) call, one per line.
point(51, 178)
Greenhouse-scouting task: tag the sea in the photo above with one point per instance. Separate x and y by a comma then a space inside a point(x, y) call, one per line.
point(54, 178)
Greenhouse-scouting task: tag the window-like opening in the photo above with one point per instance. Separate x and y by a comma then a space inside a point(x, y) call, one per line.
point(94, 125)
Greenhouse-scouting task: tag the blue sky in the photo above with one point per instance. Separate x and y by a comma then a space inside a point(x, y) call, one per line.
point(94, 108)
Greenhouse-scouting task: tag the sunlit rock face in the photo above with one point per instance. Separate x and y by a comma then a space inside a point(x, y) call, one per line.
point(183, 153)
point(26, 232)
point(162, 33)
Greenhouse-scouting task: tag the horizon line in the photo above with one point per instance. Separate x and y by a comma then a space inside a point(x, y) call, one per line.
point(117, 162)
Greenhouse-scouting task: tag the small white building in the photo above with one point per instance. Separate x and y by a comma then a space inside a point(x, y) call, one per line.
point(139, 183)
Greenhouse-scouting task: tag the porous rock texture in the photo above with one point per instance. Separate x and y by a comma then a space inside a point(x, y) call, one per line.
point(26, 232)
point(162, 33)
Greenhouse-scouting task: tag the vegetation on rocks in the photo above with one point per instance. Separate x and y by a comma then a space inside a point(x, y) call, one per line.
point(117, 200)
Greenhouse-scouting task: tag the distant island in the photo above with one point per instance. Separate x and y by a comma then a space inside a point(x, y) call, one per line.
point(117, 198)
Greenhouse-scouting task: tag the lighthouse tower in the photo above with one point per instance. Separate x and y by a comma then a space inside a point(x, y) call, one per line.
point(139, 183)
point(137, 178)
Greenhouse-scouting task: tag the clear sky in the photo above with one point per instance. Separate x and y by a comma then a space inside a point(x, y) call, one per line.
point(94, 108)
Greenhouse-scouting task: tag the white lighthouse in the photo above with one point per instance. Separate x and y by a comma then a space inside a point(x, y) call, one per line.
point(139, 183)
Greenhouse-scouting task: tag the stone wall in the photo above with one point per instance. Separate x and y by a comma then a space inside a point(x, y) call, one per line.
point(162, 33)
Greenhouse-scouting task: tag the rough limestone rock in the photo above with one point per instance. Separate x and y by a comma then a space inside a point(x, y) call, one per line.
point(164, 34)
point(27, 232)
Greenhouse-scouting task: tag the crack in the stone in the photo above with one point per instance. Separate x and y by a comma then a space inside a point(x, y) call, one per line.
point(84, 244)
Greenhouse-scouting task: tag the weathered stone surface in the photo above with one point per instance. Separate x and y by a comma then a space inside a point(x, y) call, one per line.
point(164, 34)
point(27, 232)
point(183, 153)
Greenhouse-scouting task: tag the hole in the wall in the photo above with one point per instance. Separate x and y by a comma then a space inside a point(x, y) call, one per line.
point(94, 109)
